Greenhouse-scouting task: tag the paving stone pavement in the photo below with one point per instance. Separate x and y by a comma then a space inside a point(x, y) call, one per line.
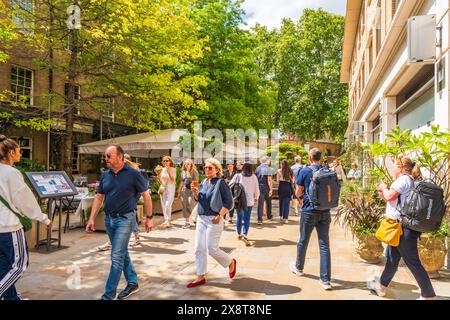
point(165, 264)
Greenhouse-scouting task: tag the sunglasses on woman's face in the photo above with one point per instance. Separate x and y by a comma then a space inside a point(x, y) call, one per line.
point(166, 161)
point(209, 168)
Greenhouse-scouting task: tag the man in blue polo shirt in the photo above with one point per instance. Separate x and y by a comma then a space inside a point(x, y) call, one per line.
point(119, 187)
point(310, 219)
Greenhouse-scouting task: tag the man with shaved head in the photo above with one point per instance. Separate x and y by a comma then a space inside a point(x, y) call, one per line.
point(119, 187)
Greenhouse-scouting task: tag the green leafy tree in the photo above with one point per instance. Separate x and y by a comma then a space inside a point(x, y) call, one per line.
point(311, 101)
point(139, 53)
point(237, 95)
point(6, 32)
point(286, 151)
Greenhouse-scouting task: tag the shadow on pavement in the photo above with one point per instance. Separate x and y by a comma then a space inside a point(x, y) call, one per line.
point(346, 285)
point(145, 239)
point(272, 243)
point(341, 284)
point(155, 250)
point(257, 286)
point(444, 275)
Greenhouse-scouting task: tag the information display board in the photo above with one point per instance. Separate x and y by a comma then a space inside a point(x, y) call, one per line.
point(52, 184)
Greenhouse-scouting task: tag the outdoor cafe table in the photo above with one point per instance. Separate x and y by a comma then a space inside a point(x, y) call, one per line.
point(85, 202)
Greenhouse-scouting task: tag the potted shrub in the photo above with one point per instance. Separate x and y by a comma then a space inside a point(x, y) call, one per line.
point(362, 217)
point(432, 249)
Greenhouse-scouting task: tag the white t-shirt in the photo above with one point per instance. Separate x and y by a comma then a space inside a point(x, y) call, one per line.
point(165, 178)
point(402, 185)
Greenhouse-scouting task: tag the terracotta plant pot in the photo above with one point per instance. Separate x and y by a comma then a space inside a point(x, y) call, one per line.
point(432, 252)
point(369, 248)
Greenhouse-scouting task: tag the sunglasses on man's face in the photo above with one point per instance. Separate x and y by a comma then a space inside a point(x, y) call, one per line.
point(108, 156)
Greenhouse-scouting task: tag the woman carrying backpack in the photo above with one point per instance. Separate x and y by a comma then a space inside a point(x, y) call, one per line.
point(285, 180)
point(405, 172)
point(250, 184)
point(214, 201)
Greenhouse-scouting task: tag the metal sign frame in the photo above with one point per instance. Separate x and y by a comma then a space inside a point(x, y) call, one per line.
point(68, 189)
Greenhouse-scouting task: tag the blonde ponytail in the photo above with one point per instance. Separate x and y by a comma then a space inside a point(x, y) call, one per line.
point(409, 166)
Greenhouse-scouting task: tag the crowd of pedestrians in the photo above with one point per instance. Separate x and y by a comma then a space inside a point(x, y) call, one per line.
point(205, 203)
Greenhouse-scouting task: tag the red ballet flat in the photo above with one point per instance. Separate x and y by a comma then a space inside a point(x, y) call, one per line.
point(232, 274)
point(196, 283)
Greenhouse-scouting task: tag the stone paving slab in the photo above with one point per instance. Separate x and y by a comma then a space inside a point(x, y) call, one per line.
point(165, 264)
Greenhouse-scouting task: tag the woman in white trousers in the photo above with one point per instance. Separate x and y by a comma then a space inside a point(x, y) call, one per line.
point(168, 179)
point(210, 223)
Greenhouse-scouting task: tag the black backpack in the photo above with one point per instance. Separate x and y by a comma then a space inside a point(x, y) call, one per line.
point(424, 207)
point(324, 189)
point(238, 192)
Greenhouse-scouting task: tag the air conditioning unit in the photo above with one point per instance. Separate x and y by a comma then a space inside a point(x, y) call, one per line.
point(422, 39)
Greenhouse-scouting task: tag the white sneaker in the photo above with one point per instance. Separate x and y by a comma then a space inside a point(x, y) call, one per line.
point(294, 269)
point(423, 298)
point(246, 241)
point(187, 225)
point(326, 285)
point(104, 247)
point(286, 221)
point(375, 286)
point(135, 243)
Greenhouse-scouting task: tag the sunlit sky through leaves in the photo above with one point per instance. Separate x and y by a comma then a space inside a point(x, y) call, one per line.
point(271, 12)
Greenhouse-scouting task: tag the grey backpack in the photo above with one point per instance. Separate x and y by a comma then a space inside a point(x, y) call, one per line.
point(324, 189)
point(424, 207)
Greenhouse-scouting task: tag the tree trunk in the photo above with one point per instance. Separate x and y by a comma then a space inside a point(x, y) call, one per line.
point(70, 105)
point(318, 130)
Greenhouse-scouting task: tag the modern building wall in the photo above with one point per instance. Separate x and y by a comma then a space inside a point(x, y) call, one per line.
point(384, 90)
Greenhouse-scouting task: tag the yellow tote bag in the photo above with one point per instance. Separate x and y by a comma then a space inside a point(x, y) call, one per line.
point(389, 232)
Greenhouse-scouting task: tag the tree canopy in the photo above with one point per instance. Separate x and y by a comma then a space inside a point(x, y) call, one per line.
point(311, 102)
point(167, 63)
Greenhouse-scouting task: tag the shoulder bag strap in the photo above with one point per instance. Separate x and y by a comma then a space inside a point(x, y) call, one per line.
point(2, 200)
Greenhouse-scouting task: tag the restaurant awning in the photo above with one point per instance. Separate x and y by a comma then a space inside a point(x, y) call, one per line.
point(163, 142)
point(142, 145)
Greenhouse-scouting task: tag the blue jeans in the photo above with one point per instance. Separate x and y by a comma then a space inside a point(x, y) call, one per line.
point(264, 197)
point(407, 250)
point(136, 225)
point(119, 231)
point(244, 215)
point(321, 222)
point(13, 262)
